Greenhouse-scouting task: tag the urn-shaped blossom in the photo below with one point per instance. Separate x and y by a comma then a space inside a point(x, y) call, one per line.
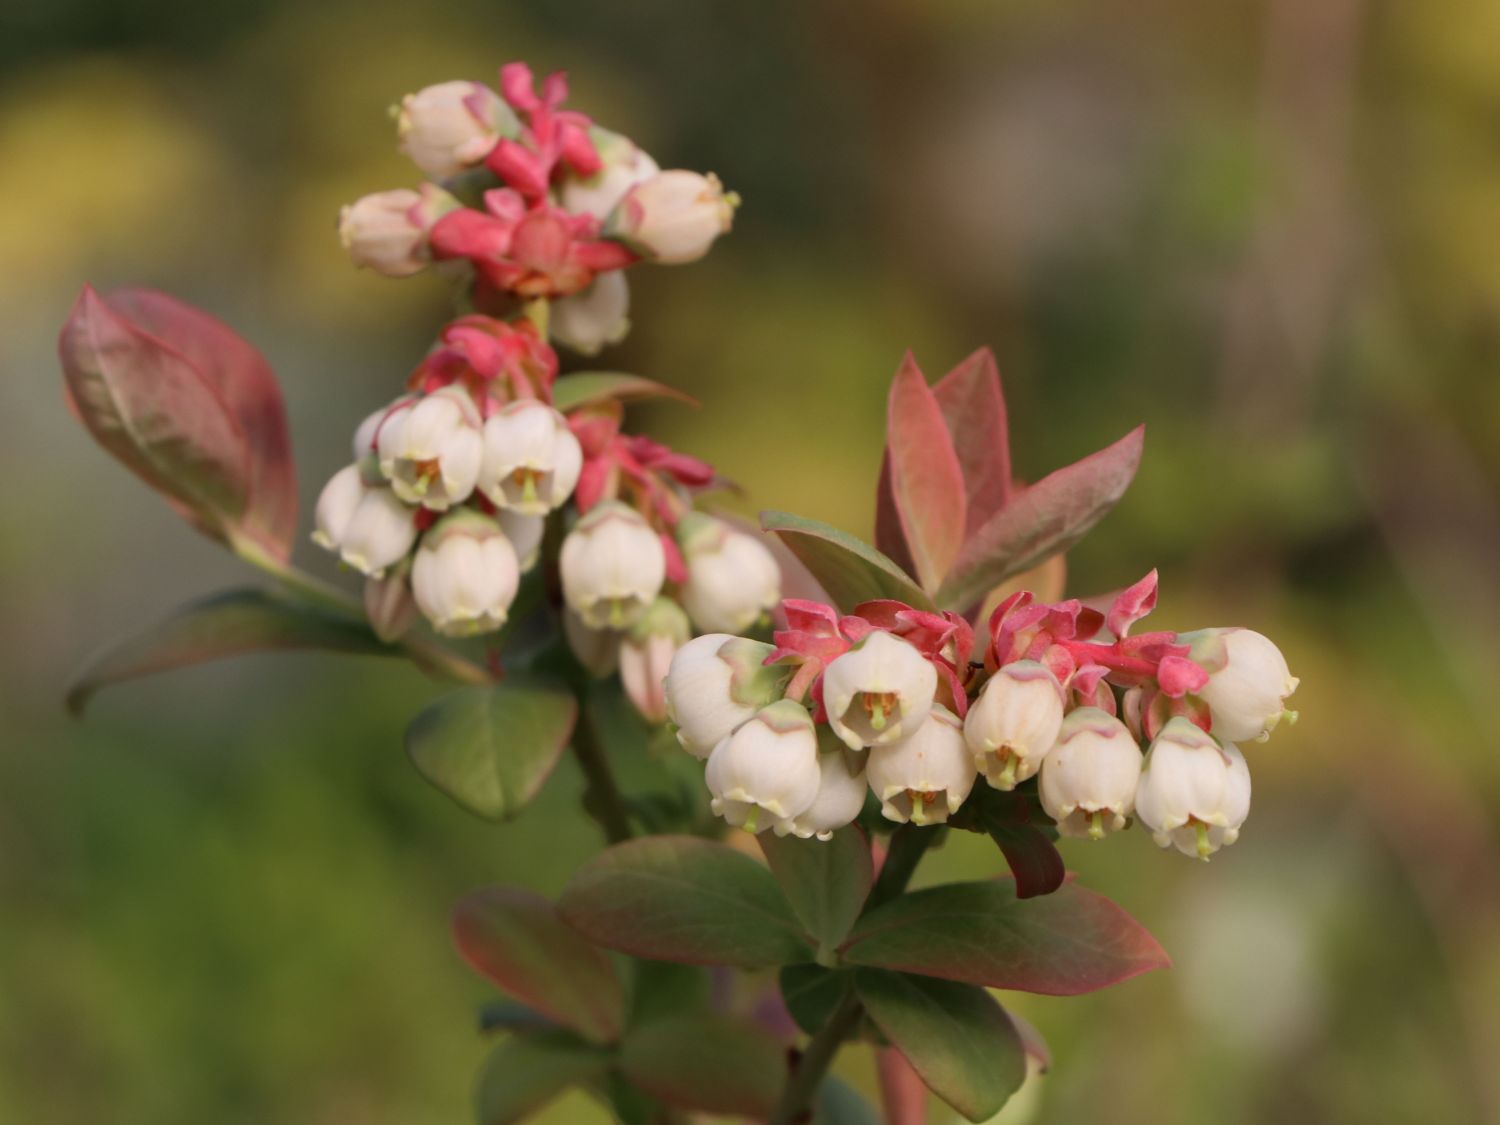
point(841, 796)
point(1089, 777)
point(1248, 681)
point(598, 316)
point(926, 776)
point(673, 217)
point(767, 770)
point(612, 565)
point(878, 692)
point(465, 575)
point(452, 126)
point(387, 231)
point(531, 458)
point(367, 525)
point(733, 579)
point(1014, 722)
point(365, 437)
point(336, 505)
point(431, 450)
point(1194, 791)
point(646, 653)
point(622, 165)
point(715, 683)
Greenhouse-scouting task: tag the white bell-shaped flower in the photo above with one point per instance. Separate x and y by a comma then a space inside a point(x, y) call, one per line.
point(1194, 791)
point(1248, 682)
point(336, 505)
point(1089, 778)
point(673, 217)
point(598, 316)
point(646, 653)
point(623, 165)
point(379, 532)
point(767, 770)
point(715, 683)
point(926, 776)
point(841, 797)
point(531, 458)
point(465, 575)
point(878, 692)
point(733, 579)
point(1014, 722)
point(365, 436)
point(612, 565)
point(387, 230)
point(430, 451)
point(446, 128)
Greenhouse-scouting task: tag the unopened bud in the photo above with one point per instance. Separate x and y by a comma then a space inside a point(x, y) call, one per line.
point(623, 165)
point(733, 579)
point(646, 656)
point(465, 575)
point(452, 126)
point(1248, 682)
point(715, 683)
point(673, 217)
point(612, 565)
point(387, 231)
point(598, 316)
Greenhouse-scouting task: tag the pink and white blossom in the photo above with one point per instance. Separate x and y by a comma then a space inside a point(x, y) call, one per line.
point(1014, 722)
point(927, 775)
point(612, 566)
point(1248, 682)
point(715, 683)
point(733, 580)
point(1089, 778)
point(431, 450)
point(531, 460)
point(879, 691)
point(673, 217)
point(465, 575)
point(841, 797)
point(766, 771)
point(1194, 791)
point(447, 128)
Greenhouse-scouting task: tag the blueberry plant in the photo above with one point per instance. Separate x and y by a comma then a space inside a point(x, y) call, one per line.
point(565, 577)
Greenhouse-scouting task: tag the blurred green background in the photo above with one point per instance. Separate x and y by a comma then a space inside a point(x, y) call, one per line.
point(1269, 230)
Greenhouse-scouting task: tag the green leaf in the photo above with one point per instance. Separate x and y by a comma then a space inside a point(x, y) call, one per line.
point(927, 483)
point(227, 624)
point(838, 1103)
point(511, 1015)
point(587, 388)
point(1042, 520)
point(811, 993)
point(515, 939)
point(525, 1072)
point(680, 898)
point(490, 747)
point(851, 571)
point(662, 988)
point(825, 881)
point(1063, 944)
point(707, 1063)
point(956, 1037)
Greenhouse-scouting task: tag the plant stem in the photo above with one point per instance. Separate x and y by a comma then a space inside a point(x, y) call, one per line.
point(908, 844)
point(602, 800)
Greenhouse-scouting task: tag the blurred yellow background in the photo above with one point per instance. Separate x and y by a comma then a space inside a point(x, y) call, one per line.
point(1269, 230)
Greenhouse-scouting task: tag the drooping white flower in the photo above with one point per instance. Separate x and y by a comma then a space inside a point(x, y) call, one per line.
point(531, 458)
point(926, 776)
point(715, 683)
point(379, 532)
point(733, 579)
point(673, 217)
point(646, 653)
point(1089, 777)
point(767, 770)
point(386, 231)
point(465, 575)
point(1014, 722)
point(623, 165)
point(598, 316)
point(1248, 682)
point(452, 126)
point(1194, 791)
point(612, 565)
point(431, 450)
point(336, 505)
point(841, 796)
point(879, 691)
point(365, 436)
point(525, 535)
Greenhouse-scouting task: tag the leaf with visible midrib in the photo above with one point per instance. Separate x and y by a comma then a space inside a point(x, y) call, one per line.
point(851, 571)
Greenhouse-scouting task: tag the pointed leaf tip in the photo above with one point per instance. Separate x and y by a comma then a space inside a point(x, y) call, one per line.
point(927, 484)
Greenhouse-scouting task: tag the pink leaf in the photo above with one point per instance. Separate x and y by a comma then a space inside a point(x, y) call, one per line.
point(1133, 603)
point(973, 407)
point(890, 539)
point(926, 481)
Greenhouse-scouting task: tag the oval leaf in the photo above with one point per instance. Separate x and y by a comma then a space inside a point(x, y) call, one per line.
point(588, 388)
point(707, 1063)
point(526, 1072)
point(811, 994)
point(1042, 520)
point(1063, 944)
point(228, 624)
point(927, 484)
point(490, 747)
point(973, 406)
point(955, 1036)
point(825, 881)
point(679, 898)
point(514, 938)
point(850, 570)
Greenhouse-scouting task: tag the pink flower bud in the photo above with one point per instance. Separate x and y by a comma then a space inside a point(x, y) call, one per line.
point(446, 128)
point(612, 565)
point(1248, 682)
point(623, 165)
point(390, 606)
point(733, 579)
point(1194, 792)
point(925, 777)
point(673, 217)
point(431, 450)
point(646, 656)
point(1089, 777)
point(531, 458)
point(387, 231)
point(598, 650)
point(465, 575)
point(1014, 722)
point(841, 797)
point(767, 766)
point(589, 321)
point(878, 692)
point(715, 683)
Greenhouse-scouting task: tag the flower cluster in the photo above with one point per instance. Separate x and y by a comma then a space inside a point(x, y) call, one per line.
point(902, 702)
point(444, 506)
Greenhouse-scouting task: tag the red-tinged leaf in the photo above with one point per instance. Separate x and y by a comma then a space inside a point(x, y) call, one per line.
point(514, 938)
point(890, 539)
point(1063, 944)
point(707, 1063)
point(1033, 859)
point(825, 881)
point(903, 1095)
point(189, 407)
point(1036, 1046)
point(526, 1072)
point(589, 388)
point(229, 624)
point(1042, 520)
point(973, 406)
point(956, 1037)
point(850, 571)
point(926, 481)
point(680, 898)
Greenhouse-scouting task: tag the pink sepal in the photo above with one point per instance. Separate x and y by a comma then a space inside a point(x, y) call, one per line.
point(1133, 603)
point(677, 570)
point(1178, 676)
